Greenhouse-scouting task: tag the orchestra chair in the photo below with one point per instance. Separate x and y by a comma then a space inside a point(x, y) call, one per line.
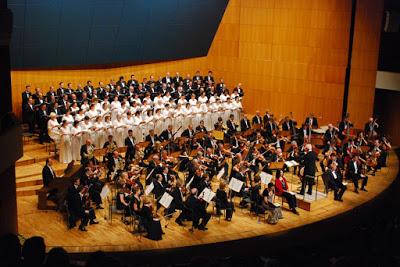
point(257, 211)
point(214, 208)
point(325, 181)
point(135, 223)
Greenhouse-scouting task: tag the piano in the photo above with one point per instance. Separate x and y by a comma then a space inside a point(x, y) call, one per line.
point(59, 184)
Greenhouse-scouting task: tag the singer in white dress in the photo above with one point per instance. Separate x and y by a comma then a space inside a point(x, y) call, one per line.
point(65, 143)
point(53, 128)
point(119, 129)
point(76, 141)
point(98, 135)
point(85, 125)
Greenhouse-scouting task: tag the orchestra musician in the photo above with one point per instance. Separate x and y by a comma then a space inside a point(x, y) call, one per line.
point(199, 214)
point(245, 124)
point(257, 119)
point(78, 207)
point(110, 145)
point(354, 173)
point(371, 128)
point(311, 121)
point(282, 190)
point(344, 127)
point(87, 153)
point(335, 181)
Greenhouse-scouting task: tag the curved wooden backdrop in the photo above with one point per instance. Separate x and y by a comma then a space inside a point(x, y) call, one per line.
point(290, 55)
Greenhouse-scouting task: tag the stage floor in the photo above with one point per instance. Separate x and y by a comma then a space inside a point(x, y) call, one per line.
point(115, 236)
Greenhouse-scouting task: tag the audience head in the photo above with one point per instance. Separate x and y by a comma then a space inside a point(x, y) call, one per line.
point(57, 257)
point(33, 251)
point(10, 250)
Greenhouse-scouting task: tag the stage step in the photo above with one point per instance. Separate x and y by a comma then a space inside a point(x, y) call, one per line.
point(28, 190)
point(29, 181)
point(35, 170)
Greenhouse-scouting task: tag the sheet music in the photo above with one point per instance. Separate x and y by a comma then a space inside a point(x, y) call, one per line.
point(104, 192)
point(148, 189)
point(220, 173)
point(166, 200)
point(207, 195)
point(235, 184)
point(265, 178)
point(291, 163)
point(190, 181)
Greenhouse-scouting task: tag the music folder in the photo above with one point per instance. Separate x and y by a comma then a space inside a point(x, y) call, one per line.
point(235, 185)
point(207, 195)
point(291, 163)
point(265, 178)
point(148, 189)
point(166, 200)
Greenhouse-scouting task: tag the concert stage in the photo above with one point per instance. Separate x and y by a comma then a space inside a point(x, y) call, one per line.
point(115, 236)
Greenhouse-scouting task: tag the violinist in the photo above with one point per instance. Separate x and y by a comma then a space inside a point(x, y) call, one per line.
point(200, 216)
point(77, 207)
point(115, 165)
point(111, 146)
point(294, 154)
point(222, 203)
point(151, 224)
point(123, 200)
point(282, 190)
point(91, 178)
point(159, 184)
point(354, 173)
point(177, 191)
point(235, 145)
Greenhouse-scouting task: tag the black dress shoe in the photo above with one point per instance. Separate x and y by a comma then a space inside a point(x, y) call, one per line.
point(363, 189)
point(202, 228)
point(356, 191)
point(93, 222)
point(340, 200)
point(99, 207)
point(179, 222)
point(82, 228)
point(295, 211)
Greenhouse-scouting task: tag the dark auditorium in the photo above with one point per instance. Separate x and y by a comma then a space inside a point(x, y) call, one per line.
point(188, 133)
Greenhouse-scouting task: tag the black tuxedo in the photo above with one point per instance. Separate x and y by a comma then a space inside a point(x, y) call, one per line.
point(166, 135)
point(152, 140)
point(76, 208)
point(188, 133)
point(245, 125)
point(312, 121)
point(48, 175)
point(84, 155)
point(198, 210)
point(201, 129)
point(310, 168)
point(335, 183)
point(30, 116)
point(231, 127)
point(287, 126)
point(354, 173)
point(131, 150)
point(158, 189)
point(42, 123)
point(257, 120)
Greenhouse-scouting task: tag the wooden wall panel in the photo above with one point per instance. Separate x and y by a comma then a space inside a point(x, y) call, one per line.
point(290, 55)
point(365, 59)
